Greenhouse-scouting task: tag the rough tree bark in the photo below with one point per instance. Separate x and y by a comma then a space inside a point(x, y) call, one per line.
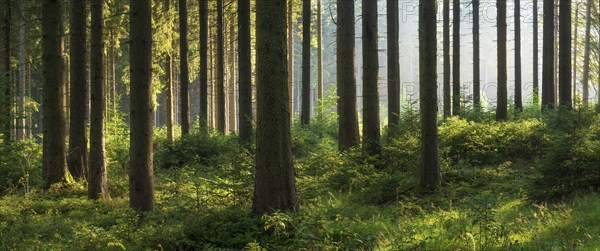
point(141, 177)
point(371, 130)
point(393, 63)
point(501, 108)
point(275, 185)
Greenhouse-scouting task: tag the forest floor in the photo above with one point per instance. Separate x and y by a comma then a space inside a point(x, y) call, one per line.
point(489, 200)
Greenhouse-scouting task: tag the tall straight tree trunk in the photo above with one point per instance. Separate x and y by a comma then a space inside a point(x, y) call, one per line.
point(556, 50)
point(371, 130)
point(456, 58)
point(586, 54)
point(54, 166)
point(548, 56)
point(518, 84)
point(476, 57)
point(232, 96)
point(430, 171)
point(393, 63)
point(275, 185)
point(576, 31)
point(169, 83)
point(20, 128)
point(536, 86)
point(290, 40)
point(183, 68)
point(501, 108)
point(565, 92)
point(220, 69)
point(6, 91)
point(141, 174)
point(78, 159)
point(446, 87)
point(346, 74)
point(319, 52)
point(97, 187)
point(306, 38)
point(203, 76)
point(245, 72)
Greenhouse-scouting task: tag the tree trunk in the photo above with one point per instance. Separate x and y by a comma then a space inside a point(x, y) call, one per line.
point(78, 159)
point(574, 82)
point(232, 96)
point(245, 72)
point(430, 170)
point(306, 38)
point(586, 53)
point(346, 74)
point(371, 130)
point(548, 56)
point(20, 128)
point(275, 185)
point(565, 93)
point(54, 168)
point(141, 177)
point(501, 108)
point(183, 68)
point(220, 69)
point(456, 58)
point(319, 54)
point(518, 84)
point(169, 82)
point(203, 76)
point(290, 34)
point(393, 63)
point(6, 101)
point(446, 87)
point(476, 57)
point(97, 187)
point(536, 86)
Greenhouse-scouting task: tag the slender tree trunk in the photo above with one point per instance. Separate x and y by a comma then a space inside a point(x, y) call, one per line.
point(245, 72)
point(20, 128)
point(518, 81)
point(78, 159)
point(290, 23)
point(371, 130)
point(447, 94)
point(536, 86)
point(574, 82)
point(476, 57)
point(232, 96)
point(7, 92)
point(430, 170)
point(319, 52)
point(456, 58)
point(548, 56)
point(220, 69)
point(275, 185)
point(97, 187)
point(586, 53)
point(183, 68)
point(556, 50)
point(169, 82)
point(54, 166)
point(346, 74)
point(501, 109)
point(306, 38)
point(141, 177)
point(203, 77)
point(565, 92)
point(393, 63)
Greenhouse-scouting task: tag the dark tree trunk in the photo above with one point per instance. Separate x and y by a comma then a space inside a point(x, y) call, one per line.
point(290, 40)
point(371, 130)
point(54, 166)
point(97, 187)
point(183, 68)
point(476, 58)
point(275, 185)
point(446, 87)
point(501, 108)
point(232, 82)
point(6, 101)
point(576, 32)
point(306, 21)
point(548, 56)
point(536, 85)
point(346, 74)
point(456, 58)
point(518, 82)
point(220, 69)
point(393, 63)
point(319, 53)
point(586, 53)
point(78, 159)
point(141, 177)
point(21, 116)
point(430, 170)
point(169, 83)
point(203, 77)
point(245, 72)
point(565, 94)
